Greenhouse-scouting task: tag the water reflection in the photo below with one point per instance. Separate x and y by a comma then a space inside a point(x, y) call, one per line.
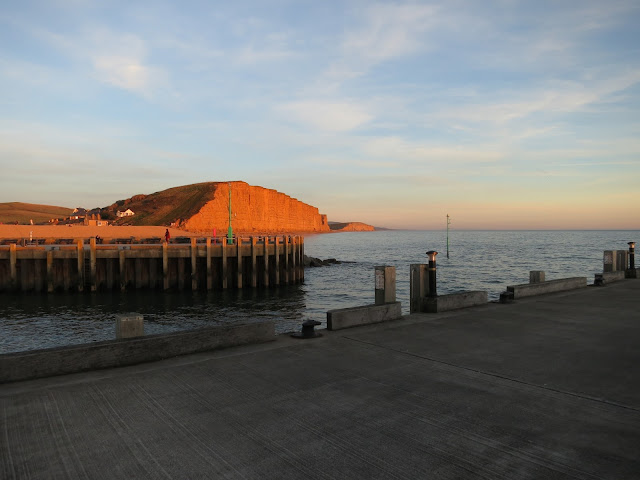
point(29, 321)
point(487, 260)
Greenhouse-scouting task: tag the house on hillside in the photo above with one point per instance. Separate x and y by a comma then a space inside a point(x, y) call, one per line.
point(127, 213)
point(78, 214)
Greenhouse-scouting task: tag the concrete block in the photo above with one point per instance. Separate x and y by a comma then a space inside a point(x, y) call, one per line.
point(455, 301)
point(117, 353)
point(364, 315)
point(632, 273)
point(608, 277)
point(550, 286)
point(385, 291)
point(536, 276)
point(129, 325)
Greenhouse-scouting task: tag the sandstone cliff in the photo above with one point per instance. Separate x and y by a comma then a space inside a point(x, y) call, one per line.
point(351, 227)
point(255, 210)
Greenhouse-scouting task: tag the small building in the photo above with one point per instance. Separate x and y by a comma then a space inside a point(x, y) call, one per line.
point(127, 213)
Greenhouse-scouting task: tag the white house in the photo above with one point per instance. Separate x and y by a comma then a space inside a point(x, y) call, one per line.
point(127, 213)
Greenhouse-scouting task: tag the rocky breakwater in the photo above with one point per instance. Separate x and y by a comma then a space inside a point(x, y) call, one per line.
point(255, 210)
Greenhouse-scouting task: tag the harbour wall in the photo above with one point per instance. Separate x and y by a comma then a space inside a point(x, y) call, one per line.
point(253, 262)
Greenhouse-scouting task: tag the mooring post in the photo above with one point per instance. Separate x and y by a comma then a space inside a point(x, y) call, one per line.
point(632, 255)
point(80, 252)
point(431, 302)
point(418, 287)
point(385, 291)
point(209, 274)
point(536, 276)
point(432, 273)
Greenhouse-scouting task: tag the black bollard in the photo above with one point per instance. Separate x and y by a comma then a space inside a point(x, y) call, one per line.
point(632, 255)
point(308, 330)
point(432, 273)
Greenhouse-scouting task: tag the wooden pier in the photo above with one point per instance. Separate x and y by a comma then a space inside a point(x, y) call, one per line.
point(202, 264)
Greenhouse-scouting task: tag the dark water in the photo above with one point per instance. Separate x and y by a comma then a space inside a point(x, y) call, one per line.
point(479, 260)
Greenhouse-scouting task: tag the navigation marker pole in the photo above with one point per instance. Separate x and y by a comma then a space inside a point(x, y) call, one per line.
point(448, 223)
point(230, 231)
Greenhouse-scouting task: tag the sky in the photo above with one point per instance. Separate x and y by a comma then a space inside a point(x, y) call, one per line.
point(503, 114)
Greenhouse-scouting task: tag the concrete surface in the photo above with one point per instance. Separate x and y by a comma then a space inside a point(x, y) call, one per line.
point(546, 387)
point(549, 286)
point(364, 315)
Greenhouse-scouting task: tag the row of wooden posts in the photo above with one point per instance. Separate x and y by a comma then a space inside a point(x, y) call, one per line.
point(254, 262)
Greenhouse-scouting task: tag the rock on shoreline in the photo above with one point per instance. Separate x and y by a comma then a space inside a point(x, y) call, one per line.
point(316, 262)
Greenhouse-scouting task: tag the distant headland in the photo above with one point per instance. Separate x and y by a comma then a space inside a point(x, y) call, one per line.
point(199, 208)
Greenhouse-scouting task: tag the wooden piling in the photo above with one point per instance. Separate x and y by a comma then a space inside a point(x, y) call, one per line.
point(194, 258)
point(294, 258)
point(123, 272)
point(165, 266)
point(266, 261)
point(209, 272)
point(92, 263)
point(277, 255)
point(50, 287)
point(224, 262)
point(13, 270)
point(286, 259)
point(95, 267)
point(80, 252)
point(239, 256)
point(254, 265)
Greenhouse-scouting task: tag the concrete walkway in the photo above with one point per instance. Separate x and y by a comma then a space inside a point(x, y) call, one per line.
point(547, 387)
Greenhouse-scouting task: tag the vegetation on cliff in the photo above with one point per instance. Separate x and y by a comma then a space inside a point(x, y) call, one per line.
point(173, 205)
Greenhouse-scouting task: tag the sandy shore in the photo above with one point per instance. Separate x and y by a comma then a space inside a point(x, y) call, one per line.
point(82, 231)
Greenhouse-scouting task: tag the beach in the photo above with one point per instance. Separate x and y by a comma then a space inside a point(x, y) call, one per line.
point(85, 231)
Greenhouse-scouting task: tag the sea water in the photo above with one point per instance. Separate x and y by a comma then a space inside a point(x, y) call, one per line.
point(478, 260)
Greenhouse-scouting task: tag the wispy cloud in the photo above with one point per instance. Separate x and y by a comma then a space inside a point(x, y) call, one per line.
point(327, 115)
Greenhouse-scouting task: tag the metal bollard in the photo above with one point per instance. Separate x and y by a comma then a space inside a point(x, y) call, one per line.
point(632, 255)
point(432, 273)
point(308, 330)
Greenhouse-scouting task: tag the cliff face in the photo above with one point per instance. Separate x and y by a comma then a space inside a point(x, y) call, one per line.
point(255, 210)
point(352, 227)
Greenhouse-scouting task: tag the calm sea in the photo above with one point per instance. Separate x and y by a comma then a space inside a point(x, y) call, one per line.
point(478, 260)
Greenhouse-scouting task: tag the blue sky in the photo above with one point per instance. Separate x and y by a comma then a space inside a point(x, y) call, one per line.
point(503, 114)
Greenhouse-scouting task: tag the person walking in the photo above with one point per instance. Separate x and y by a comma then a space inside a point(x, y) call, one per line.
point(167, 235)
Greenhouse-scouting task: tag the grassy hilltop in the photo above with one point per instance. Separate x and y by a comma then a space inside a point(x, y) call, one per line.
point(13, 212)
point(165, 207)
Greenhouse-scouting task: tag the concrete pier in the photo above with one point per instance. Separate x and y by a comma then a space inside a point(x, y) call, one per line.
point(198, 265)
point(546, 387)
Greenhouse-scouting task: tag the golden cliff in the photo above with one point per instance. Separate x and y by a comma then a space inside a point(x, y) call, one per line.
point(255, 210)
point(351, 227)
